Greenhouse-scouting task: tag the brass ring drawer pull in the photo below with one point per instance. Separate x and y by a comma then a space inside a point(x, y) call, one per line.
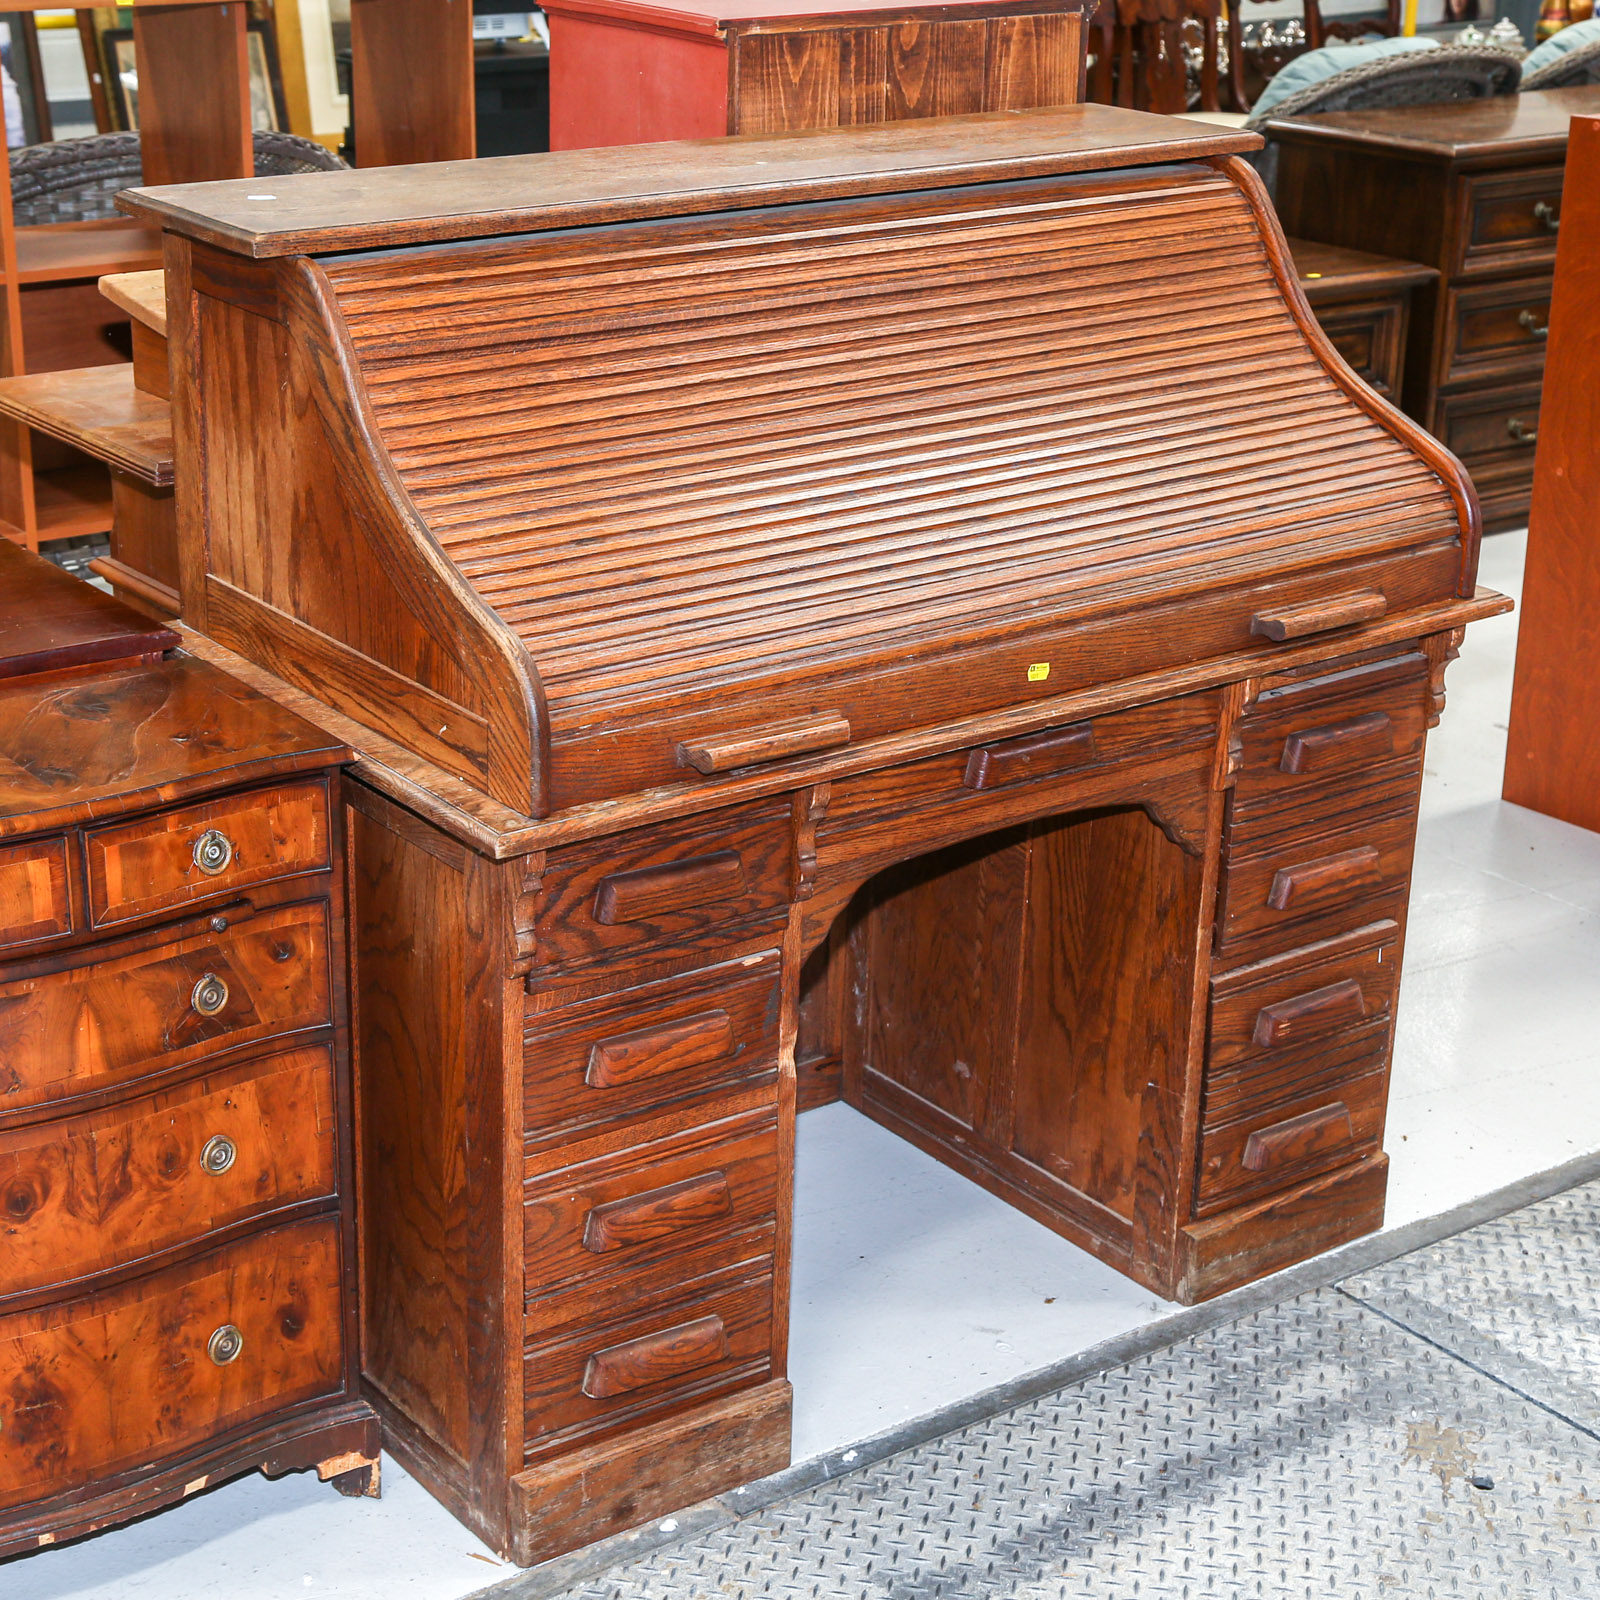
point(1546, 213)
point(218, 1154)
point(1530, 321)
point(210, 995)
point(213, 852)
point(225, 1344)
point(1521, 432)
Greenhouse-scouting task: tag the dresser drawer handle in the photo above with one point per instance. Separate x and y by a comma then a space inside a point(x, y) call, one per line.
point(658, 891)
point(654, 1358)
point(1545, 213)
point(1039, 755)
point(1310, 1015)
point(213, 852)
point(225, 1345)
point(1530, 321)
point(1348, 870)
point(1320, 616)
point(218, 1155)
point(1313, 1133)
point(1310, 749)
point(210, 995)
point(1521, 432)
point(801, 736)
point(649, 1052)
point(658, 1213)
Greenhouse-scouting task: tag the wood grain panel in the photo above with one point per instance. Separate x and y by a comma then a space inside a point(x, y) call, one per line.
point(137, 869)
point(35, 901)
point(100, 1190)
point(93, 1387)
point(194, 97)
point(119, 1012)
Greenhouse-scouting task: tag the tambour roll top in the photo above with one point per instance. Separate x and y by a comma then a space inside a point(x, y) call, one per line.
point(738, 470)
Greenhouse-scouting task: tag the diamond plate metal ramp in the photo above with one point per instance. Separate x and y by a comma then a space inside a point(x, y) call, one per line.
point(1518, 1297)
point(1311, 1450)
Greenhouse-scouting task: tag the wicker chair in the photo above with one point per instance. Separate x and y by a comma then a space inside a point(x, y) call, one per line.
point(1575, 67)
point(1418, 78)
point(73, 180)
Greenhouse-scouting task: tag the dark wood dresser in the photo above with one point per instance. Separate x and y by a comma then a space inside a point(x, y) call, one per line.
point(1363, 303)
point(802, 623)
point(176, 1249)
point(1474, 190)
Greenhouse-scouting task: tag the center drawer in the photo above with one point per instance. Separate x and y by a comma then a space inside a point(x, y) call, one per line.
point(148, 1004)
point(97, 1191)
point(102, 1385)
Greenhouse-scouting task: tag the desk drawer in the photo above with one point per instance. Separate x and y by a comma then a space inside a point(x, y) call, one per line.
point(1338, 806)
point(1371, 338)
point(148, 1004)
point(112, 1383)
point(101, 1190)
point(1306, 887)
point(1300, 734)
point(661, 1358)
point(1493, 429)
point(35, 893)
point(1511, 219)
point(654, 1216)
point(1500, 326)
point(1284, 1144)
point(684, 1037)
point(656, 885)
point(165, 863)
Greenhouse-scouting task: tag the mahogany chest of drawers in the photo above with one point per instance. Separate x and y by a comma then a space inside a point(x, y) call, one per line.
point(1473, 190)
point(176, 1253)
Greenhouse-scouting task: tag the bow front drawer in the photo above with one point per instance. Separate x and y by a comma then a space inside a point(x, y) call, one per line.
point(167, 862)
point(97, 1191)
point(669, 882)
point(145, 1005)
point(35, 897)
point(100, 1386)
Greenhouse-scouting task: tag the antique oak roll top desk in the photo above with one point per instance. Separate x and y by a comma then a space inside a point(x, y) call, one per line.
point(919, 613)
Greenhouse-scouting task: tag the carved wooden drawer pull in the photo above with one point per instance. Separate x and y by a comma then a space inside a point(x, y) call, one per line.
point(1310, 1015)
point(1320, 616)
point(1313, 1133)
point(654, 1358)
point(750, 747)
point(1036, 756)
point(1323, 878)
point(658, 1213)
point(1314, 749)
point(649, 1052)
point(680, 886)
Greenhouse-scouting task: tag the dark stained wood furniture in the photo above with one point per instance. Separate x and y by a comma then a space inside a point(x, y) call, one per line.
point(1473, 189)
point(622, 72)
point(177, 1273)
point(1363, 303)
point(1553, 748)
point(766, 571)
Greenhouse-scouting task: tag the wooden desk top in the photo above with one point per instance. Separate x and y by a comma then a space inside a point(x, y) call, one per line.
point(1473, 130)
point(50, 620)
point(389, 206)
point(1327, 271)
point(710, 17)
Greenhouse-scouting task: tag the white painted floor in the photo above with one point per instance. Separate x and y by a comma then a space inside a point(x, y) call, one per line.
point(913, 1288)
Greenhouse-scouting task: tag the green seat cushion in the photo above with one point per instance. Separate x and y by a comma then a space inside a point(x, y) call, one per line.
point(1316, 66)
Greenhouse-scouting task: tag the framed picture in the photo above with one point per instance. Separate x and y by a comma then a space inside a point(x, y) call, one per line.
point(266, 83)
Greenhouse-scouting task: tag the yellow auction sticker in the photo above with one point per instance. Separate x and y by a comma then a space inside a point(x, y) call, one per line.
point(1038, 671)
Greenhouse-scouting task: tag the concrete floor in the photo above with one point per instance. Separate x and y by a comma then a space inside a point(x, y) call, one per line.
point(914, 1289)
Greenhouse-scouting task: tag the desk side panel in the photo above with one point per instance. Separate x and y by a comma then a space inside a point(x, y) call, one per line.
point(297, 551)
